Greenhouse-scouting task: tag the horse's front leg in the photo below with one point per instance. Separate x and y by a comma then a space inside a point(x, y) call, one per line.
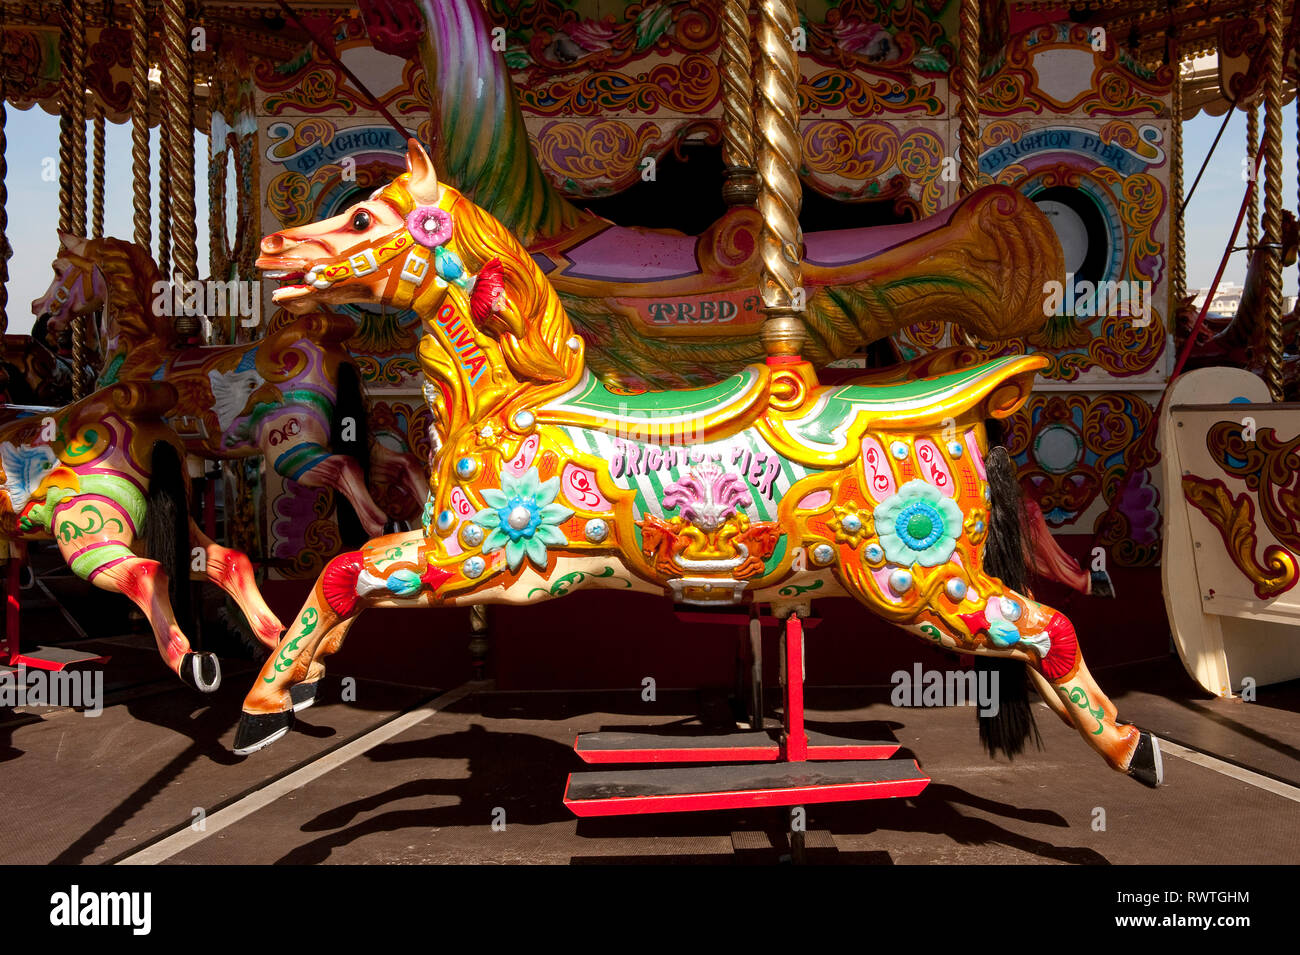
point(296, 443)
point(344, 589)
point(303, 693)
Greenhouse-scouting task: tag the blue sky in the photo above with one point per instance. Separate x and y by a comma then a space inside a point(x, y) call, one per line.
point(33, 205)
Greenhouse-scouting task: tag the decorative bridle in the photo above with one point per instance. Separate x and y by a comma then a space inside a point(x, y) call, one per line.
point(404, 256)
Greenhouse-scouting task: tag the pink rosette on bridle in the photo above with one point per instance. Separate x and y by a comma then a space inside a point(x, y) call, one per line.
point(429, 226)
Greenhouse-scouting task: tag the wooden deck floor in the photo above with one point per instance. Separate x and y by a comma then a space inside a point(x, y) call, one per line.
point(129, 784)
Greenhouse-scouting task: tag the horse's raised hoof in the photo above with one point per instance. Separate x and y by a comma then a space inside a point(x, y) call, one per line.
point(1146, 765)
point(201, 671)
point(1102, 585)
point(303, 695)
point(259, 730)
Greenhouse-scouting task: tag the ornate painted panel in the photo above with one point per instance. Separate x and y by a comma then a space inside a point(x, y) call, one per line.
point(603, 85)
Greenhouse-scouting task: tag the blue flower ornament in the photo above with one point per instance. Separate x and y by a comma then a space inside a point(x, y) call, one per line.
point(523, 518)
point(918, 525)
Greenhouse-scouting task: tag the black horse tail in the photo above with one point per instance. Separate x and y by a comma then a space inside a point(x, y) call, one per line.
point(1005, 557)
point(349, 435)
point(167, 529)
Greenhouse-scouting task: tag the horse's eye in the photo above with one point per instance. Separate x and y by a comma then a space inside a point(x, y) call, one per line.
point(361, 221)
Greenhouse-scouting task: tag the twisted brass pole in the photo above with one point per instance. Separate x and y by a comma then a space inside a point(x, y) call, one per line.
point(140, 124)
point(180, 146)
point(1178, 269)
point(967, 79)
point(779, 198)
point(164, 196)
point(67, 92)
point(1272, 225)
point(1252, 147)
point(97, 182)
point(740, 185)
point(77, 67)
point(189, 325)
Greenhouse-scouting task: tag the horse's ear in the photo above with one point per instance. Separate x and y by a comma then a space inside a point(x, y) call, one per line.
point(422, 180)
point(75, 244)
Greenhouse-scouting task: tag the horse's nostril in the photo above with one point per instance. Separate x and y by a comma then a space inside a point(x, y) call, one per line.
point(274, 243)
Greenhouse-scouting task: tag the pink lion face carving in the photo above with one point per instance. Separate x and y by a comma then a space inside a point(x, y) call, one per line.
point(708, 496)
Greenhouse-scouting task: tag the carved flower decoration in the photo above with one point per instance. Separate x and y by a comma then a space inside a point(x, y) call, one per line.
point(429, 226)
point(918, 525)
point(851, 526)
point(977, 525)
point(523, 518)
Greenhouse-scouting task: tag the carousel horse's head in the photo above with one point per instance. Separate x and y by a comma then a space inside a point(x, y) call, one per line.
point(90, 274)
point(385, 250)
point(419, 244)
point(78, 287)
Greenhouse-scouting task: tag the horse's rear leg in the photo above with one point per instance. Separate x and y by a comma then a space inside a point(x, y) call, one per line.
point(232, 571)
point(343, 474)
point(308, 460)
point(110, 565)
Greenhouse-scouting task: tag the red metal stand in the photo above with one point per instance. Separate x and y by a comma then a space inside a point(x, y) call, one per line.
point(44, 658)
point(763, 771)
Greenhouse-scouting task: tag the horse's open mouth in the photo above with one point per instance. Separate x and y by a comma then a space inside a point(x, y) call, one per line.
point(291, 283)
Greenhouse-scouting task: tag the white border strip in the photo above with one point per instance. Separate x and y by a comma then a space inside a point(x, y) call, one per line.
point(1266, 783)
point(260, 798)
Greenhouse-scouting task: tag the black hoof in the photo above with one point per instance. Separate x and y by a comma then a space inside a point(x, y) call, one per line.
point(259, 730)
point(201, 671)
point(1102, 586)
point(396, 527)
point(303, 695)
point(1146, 765)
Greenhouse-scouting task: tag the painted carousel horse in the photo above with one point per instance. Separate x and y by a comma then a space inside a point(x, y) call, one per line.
point(765, 487)
point(660, 309)
point(104, 476)
point(32, 372)
point(284, 397)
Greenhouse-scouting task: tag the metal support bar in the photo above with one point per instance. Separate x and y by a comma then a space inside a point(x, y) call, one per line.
point(794, 741)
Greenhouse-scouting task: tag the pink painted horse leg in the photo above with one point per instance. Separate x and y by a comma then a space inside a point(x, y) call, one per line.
point(344, 474)
point(145, 582)
point(233, 572)
point(295, 442)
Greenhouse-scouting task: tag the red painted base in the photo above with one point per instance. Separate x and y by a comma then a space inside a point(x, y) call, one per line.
point(51, 658)
point(784, 777)
point(703, 788)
